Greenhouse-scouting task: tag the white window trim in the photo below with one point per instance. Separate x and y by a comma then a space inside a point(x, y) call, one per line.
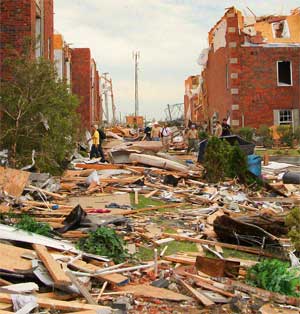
point(291, 70)
point(291, 122)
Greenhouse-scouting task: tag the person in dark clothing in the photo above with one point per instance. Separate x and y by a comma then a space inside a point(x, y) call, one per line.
point(102, 137)
point(225, 128)
point(147, 132)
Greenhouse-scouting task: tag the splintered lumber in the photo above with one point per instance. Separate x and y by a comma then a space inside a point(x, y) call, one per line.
point(208, 284)
point(13, 181)
point(227, 245)
point(54, 195)
point(83, 290)
point(129, 212)
point(62, 305)
point(158, 162)
point(148, 291)
point(261, 293)
point(199, 296)
point(58, 275)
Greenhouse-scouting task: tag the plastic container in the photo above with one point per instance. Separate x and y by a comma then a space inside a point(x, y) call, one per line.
point(291, 178)
point(254, 164)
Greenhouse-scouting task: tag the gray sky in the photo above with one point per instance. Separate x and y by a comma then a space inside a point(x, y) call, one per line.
point(169, 34)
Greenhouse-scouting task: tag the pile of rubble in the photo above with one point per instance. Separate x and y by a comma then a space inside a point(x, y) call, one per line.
point(215, 221)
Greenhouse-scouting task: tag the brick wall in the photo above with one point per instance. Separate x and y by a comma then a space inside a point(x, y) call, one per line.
point(48, 29)
point(81, 83)
point(17, 24)
point(18, 19)
point(259, 92)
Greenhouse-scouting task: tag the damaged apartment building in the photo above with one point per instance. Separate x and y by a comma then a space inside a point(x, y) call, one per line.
point(250, 72)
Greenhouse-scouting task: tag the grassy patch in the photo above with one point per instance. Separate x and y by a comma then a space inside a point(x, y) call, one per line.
point(144, 202)
point(170, 230)
point(279, 152)
point(145, 253)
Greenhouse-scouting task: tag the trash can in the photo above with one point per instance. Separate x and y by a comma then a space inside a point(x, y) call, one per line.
point(254, 164)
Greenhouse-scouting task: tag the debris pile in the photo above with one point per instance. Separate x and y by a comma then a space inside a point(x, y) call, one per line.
point(144, 234)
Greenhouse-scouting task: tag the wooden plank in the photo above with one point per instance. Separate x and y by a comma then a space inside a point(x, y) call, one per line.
point(227, 245)
point(13, 181)
point(11, 258)
point(62, 305)
point(58, 275)
point(154, 292)
point(151, 193)
point(199, 296)
point(116, 279)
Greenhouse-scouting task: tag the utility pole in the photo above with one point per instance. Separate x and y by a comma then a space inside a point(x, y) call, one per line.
point(113, 107)
point(136, 57)
point(105, 96)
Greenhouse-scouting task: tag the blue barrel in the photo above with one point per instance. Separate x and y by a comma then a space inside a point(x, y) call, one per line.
point(254, 164)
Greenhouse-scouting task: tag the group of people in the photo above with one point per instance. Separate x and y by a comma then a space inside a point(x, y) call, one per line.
point(222, 129)
point(192, 134)
point(157, 133)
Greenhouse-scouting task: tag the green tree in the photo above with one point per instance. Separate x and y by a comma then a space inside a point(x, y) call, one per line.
point(38, 112)
point(215, 160)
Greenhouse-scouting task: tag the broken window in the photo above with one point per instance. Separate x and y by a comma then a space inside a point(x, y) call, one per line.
point(284, 73)
point(38, 34)
point(285, 117)
point(281, 29)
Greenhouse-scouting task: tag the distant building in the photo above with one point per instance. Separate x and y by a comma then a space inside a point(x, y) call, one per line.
point(62, 58)
point(251, 70)
point(25, 20)
point(86, 85)
point(135, 121)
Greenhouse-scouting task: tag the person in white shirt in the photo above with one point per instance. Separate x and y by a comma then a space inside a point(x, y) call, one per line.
point(166, 137)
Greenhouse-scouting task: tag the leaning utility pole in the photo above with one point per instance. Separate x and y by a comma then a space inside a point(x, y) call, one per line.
point(105, 96)
point(136, 56)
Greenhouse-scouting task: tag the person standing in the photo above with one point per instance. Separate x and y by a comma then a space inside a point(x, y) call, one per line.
point(147, 132)
point(225, 128)
point(165, 134)
point(192, 136)
point(95, 142)
point(218, 129)
point(155, 132)
point(102, 137)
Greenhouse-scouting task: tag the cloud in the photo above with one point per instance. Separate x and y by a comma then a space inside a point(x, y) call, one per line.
point(168, 33)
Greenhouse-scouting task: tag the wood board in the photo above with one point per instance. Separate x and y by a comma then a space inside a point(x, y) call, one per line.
point(13, 181)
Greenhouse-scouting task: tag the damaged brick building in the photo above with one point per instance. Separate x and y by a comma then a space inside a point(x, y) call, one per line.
point(251, 70)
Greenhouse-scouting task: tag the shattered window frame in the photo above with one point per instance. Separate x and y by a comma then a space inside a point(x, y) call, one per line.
point(285, 30)
point(285, 117)
point(291, 73)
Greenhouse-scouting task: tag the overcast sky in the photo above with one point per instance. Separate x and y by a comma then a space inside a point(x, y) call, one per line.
point(169, 34)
